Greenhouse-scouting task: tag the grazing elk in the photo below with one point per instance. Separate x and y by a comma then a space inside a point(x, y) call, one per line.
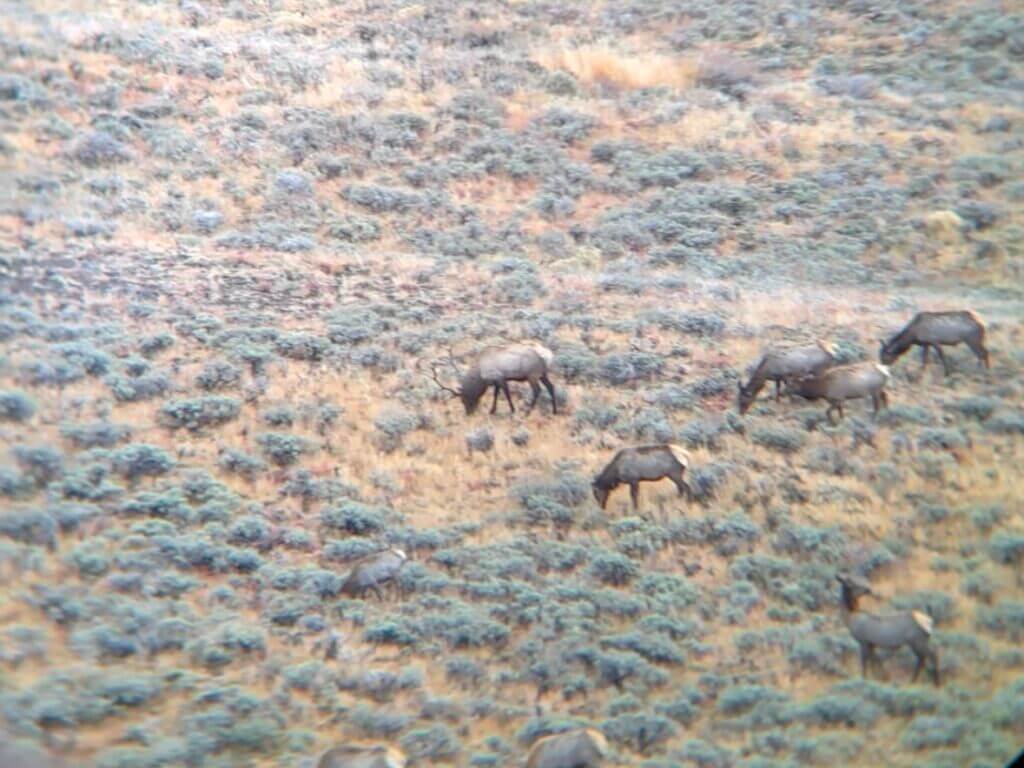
point(362, 757)
point(581, 748)
point(847, 382)
point(935, 330)
point(642, 463)
point(372, 571)
point(782, 364)
point(22, 753)
point(496, 367)
point(912, 628)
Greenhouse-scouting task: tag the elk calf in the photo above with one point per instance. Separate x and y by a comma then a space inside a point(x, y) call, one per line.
point(581, 748)
point(642, 463)
point(496, 367)
point(783, 364)
point(847, 382)
point(935, 330)
point(362, 757)
point(911, 628)
point(372, 571)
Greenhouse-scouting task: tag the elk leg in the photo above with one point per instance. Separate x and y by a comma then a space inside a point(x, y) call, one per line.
point(551, 391)
point(376, 591)
point(535, 387)
point(508, 396)
point(942, 357)
point(883, 397)
point(634, 494)
point(935, 666)
point(778, 390)
point(494, 405)
point(918, 667)
point(833, 407)
point(924, 356)
point(682, 486)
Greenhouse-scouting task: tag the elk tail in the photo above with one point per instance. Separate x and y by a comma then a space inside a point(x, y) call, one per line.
point(680, 454)
point(924, 621)
point(884, 370)
point(827, 346)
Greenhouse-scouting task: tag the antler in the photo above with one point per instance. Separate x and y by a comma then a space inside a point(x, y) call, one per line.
point(433, 375)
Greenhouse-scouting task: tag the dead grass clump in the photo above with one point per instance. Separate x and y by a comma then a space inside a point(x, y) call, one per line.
point(603, 66)
point(944, 226)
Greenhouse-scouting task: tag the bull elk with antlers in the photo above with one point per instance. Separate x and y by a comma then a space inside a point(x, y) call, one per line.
point(496, 367)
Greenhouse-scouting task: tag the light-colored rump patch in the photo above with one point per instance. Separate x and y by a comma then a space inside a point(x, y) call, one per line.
point(827, 346)
point(599, 741)
point(545, 354)
point(401, 554)
point(884, 370)
point(681, 455)
point(924, 621)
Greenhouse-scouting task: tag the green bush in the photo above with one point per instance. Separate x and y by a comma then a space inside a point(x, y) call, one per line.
point(200, 412)
point(138, 460)
point(283, 449)
point(16, 406)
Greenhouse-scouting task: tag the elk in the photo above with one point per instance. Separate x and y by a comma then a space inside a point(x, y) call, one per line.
point(496, 367)
point(580, 748)
point(372, 571)
point(362, 757)
point(780, 365)
point(847, 382)
point(642, 463)
point(912, 628)
point(935, 330)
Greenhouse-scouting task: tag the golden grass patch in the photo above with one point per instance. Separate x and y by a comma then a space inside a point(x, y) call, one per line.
point(601, 65)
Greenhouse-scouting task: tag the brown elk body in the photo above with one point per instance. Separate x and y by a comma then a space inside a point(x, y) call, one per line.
point(910, 628)
point(496, 367)
point(643, 463)
point(362, 757)
point(581, 748)
point(935, 330)
point(847, 382)
point(372, 571)
point(783, 364)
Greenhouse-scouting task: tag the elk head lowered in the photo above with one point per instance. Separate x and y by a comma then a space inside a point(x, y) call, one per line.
point(470, 389)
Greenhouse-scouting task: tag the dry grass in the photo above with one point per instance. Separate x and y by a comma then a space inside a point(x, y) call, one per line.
point(601, 65)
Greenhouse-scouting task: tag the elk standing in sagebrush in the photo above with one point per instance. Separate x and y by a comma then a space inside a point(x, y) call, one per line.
point(935, 330)
point(847, 382)
point(496, 367)
point(373, 571)
point(783, 364)
point(643, 463)
point(581, 748)
point(911, 628)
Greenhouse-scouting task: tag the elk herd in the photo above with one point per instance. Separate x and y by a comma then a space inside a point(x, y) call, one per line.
point(808, 371)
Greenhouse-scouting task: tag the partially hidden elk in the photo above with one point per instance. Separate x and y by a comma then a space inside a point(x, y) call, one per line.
point(362, 757)
point(643, 463)
point(22, 753)
point(495, 368)
point(910, 628)
point(935, 330)
point(784, 364)
point(372, 571)
point(847, 382)
point(581, 748)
